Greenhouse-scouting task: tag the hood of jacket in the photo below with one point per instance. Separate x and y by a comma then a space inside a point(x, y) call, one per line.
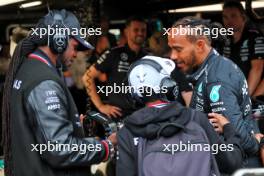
point(150, 122)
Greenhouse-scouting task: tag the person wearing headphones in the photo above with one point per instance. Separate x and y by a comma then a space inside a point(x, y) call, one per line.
point(150, 80)
point(43, 134)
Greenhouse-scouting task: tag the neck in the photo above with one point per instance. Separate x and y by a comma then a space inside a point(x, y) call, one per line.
point(134, 47)
point(237, 35)
point(47, 51)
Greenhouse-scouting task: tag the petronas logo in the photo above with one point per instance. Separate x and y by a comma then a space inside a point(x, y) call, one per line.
point(214, 95)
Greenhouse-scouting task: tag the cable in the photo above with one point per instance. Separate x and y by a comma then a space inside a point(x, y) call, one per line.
point(88, 127)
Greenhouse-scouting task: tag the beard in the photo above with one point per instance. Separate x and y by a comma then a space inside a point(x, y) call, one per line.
point(67, 62)
point(63, 63)
point(139, 40)
point(192, 67)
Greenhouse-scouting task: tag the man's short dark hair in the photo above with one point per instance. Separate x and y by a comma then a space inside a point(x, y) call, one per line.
point(193, 22)
point(234, 4)
point(134, 18)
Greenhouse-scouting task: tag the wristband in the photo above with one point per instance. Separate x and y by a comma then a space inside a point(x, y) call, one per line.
point(109, 150)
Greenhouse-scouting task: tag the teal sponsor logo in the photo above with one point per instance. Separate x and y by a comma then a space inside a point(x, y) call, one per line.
point(214, 95)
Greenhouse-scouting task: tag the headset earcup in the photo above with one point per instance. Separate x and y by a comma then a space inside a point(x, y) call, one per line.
point(167, 82)
point(171, 89)
point(58, 42)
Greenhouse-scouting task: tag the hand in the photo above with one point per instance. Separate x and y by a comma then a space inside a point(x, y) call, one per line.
point(81, 118)
point(102, 77)
point(218, 121)
point(258, 136)
point(110, 111)
point(113, 139)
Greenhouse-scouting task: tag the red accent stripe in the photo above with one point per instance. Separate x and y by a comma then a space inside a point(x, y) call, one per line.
point(34, 56)
point(107, 152)
point(157, 103)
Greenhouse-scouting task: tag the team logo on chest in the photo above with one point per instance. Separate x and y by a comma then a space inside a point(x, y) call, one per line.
point(123, 64)
point(124, 57)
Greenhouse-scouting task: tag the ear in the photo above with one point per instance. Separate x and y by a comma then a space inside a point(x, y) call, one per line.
point(199, 45)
